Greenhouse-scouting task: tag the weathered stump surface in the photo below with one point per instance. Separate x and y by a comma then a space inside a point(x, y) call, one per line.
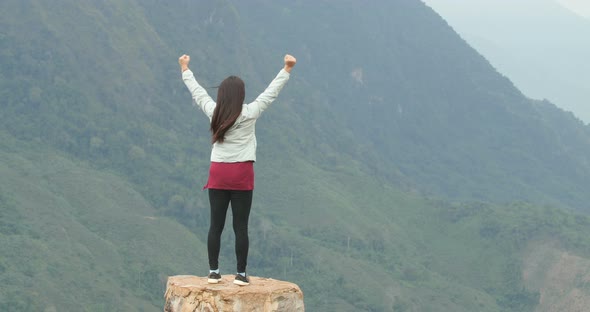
point(187, 293)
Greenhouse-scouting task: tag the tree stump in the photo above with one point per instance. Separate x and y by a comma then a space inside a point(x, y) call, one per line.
point(187, 293)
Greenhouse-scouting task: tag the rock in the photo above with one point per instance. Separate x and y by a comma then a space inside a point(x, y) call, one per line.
point(187, 293)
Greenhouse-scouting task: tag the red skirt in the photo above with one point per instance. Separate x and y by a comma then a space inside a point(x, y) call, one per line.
point(237, 176)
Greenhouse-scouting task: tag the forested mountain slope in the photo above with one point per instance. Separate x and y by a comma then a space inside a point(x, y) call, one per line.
point(76, 239)
point(386, 84)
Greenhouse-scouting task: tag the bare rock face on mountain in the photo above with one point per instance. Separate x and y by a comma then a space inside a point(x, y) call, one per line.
point(191, 293)
point(561, 278)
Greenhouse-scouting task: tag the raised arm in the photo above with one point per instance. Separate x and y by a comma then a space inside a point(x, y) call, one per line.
point(254, 109)
point(200, 96)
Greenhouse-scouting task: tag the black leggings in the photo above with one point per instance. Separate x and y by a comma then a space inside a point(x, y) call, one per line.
point(241, 201)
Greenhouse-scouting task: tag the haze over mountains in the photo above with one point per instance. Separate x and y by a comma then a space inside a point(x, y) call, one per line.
point(579, 7)
point(541, 45)
point(397, 164)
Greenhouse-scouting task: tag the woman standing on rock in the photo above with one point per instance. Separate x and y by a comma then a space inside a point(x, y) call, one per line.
point(231, 175)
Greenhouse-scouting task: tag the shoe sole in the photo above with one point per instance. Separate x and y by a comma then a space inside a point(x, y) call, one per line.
point(212, 281)
point(240, 283)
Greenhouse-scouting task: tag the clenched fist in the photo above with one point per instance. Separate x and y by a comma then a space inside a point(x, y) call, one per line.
point(289, 62)
point(183, 62)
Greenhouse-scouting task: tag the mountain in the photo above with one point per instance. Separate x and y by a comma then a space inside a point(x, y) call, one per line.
point(428, 125)
point(540, 45)
point(67, 228)
point(395, 151)
point(409, 87)
point(76, 239)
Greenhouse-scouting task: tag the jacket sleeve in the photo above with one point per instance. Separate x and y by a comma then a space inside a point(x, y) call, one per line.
point(254, 109)
point(200, 96)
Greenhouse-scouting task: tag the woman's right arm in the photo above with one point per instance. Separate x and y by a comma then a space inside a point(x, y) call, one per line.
point(200, 96)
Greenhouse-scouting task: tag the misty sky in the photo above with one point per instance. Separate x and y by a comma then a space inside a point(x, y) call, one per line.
point(540, 45)
point(581, 7)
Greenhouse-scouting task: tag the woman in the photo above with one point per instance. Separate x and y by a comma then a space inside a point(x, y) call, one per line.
point(231, 175)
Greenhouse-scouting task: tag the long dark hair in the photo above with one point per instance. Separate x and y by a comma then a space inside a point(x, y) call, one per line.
point(230, 98)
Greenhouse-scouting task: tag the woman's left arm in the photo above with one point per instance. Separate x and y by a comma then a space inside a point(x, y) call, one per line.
point(254, 109)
